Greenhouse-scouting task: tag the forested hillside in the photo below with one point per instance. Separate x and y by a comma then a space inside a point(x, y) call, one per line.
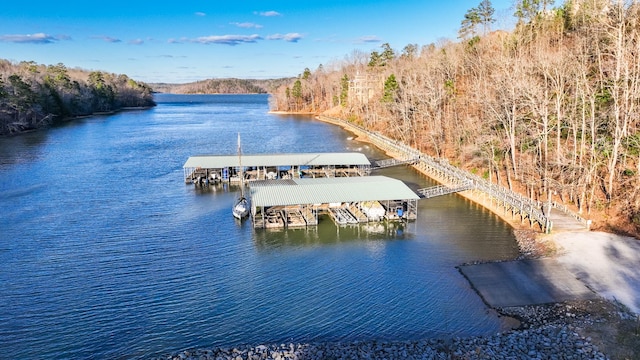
point(223, 86)
point(548, 109)
point(33, 95)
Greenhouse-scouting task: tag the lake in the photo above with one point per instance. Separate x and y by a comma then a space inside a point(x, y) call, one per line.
point(105, 252)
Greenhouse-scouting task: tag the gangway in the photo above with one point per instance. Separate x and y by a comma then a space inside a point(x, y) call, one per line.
point(439, 190)
point(381, 164)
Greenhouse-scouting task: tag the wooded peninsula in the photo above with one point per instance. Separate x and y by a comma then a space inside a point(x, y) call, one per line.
point(33, 96)
point(549, 109)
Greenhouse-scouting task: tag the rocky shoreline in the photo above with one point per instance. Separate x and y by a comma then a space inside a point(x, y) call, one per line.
point(590, 329)
point(552, 331)
point(574, 330)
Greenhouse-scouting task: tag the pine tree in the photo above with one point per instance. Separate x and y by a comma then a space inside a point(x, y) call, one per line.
point(387, 54)
point(485, 13)
point(469, 24)
point(528, 10)
point(344, 90)
point(390, 89)
point(375, 59)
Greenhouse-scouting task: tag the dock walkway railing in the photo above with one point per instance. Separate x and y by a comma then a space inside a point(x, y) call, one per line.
point(440, 190)
point(453, 177)
point(381, 164)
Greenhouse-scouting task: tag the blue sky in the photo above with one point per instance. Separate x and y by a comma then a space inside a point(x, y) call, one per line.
point(187, 40)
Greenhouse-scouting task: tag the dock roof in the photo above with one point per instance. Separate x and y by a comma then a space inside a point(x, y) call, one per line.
point(302, 159)
point(328, 190)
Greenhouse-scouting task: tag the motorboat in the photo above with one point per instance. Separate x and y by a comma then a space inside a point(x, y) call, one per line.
point(241, 208)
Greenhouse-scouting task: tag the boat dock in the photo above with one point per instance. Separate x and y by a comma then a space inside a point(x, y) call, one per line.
point(293, 190)
point(206, 169)
point(347, 200)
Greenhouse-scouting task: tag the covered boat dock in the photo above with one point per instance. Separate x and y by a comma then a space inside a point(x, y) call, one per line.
point(205, 169)
point(296, 202)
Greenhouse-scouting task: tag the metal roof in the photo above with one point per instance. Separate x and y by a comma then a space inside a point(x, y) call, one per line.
point(308, 159)
point(328, 190)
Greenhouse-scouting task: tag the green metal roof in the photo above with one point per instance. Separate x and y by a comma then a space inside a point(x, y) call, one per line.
point(308, 159)
point(328, 190)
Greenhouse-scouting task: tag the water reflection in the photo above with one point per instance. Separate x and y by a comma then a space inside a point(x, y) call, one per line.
point(327, 233)
point(20, 149)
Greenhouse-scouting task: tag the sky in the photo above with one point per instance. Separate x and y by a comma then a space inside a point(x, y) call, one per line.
point(182, 41)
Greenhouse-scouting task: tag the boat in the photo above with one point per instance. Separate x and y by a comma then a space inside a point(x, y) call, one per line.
point(241, 206)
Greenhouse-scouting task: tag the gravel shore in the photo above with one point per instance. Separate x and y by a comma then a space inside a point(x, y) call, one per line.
point(553, 331)
point(591, 329)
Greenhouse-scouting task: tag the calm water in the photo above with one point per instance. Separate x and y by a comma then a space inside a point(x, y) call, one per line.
point(106, 253)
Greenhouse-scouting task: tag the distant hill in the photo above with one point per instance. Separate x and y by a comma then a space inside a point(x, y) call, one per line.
point(222, 86)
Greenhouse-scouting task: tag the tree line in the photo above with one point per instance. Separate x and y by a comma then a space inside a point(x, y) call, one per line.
point(222, 86)
point(34, 95)
point(549, 109)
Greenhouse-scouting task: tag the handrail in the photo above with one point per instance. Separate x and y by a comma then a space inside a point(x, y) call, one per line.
point(458, 176)
point(381, 164)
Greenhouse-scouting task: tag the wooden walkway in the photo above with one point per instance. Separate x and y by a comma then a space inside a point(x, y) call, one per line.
point(440, 190)
point(381, 164)
point(452, 177)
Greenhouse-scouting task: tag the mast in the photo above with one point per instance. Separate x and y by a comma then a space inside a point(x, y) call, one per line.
point(240, 165)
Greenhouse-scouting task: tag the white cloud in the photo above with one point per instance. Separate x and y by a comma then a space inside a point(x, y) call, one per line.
point(268, 13)
point(368, 39)
point(177, 41)
point(108, 39)
point(200, 13)
point(38, 38)
point(228, 39)
point(136, 42)
point(247, 25)
point(167, 56)
point(290, 37)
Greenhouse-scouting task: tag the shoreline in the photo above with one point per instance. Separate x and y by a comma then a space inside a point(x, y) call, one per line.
point(277, 112)
point(67, 119)
point(588, 329)
point(563, 331)
point(110, 112)
point(531, 243)
point(515, 224)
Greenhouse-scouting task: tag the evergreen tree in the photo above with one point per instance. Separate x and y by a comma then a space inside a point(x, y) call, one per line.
point(409, 51)
point(382, 59)
point(297, 89)
point(306, 74)
point(485, 14)
point(103, 93)
point(21, 96)
point(469, 23)
point(390, 89)
point(387, 54)
point(344, 90)
point(375, 59)
point(296, 92)
point(528, 10)
point(59, 76)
